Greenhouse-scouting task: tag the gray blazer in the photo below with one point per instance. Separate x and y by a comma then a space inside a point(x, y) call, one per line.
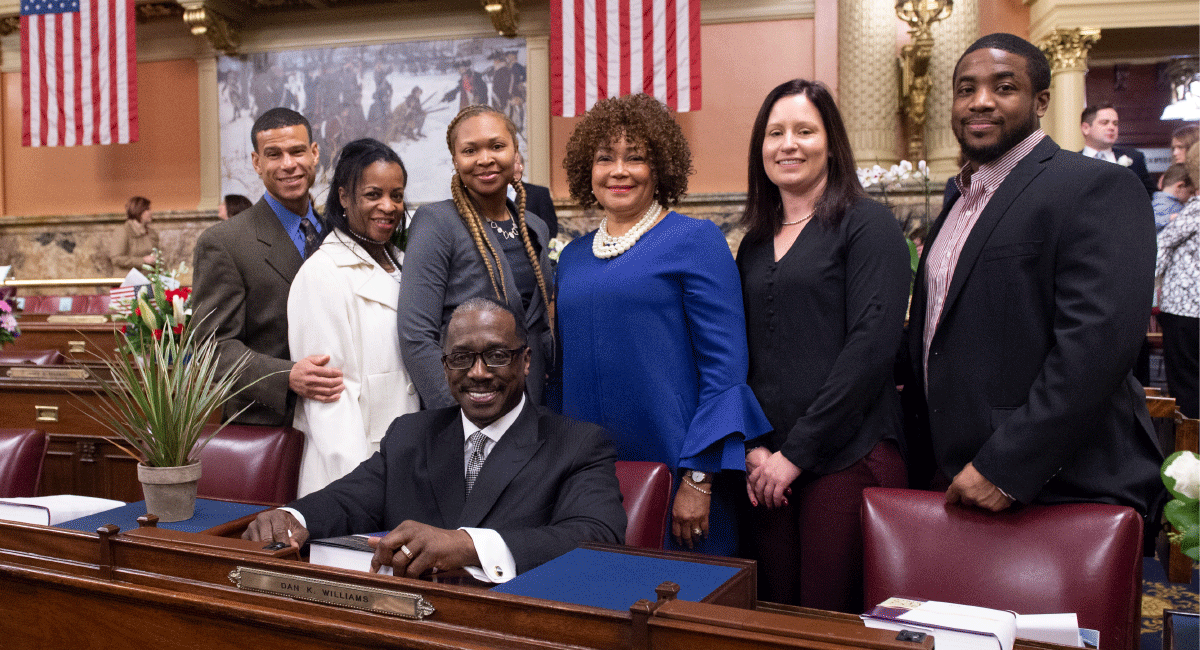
point(443, 269)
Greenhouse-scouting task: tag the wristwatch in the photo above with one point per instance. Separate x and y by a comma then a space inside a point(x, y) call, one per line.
point(699, 477)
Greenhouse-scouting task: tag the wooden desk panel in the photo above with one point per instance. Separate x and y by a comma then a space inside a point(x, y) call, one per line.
point(77, 342)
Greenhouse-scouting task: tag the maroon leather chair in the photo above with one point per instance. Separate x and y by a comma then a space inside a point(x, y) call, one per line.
point(646, 495)
point(22, 452)
point(251, 463)
point(1084, 558)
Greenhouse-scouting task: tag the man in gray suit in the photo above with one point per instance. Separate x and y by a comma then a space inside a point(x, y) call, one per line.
point(244, 269)
point(496, 485)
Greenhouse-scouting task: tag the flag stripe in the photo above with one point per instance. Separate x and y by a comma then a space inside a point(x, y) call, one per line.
point(608, 48)
point(78, 72)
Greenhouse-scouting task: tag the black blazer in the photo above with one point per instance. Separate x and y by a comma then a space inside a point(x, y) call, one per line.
point(538, 201)
point(1138, 167)
point(1030, 367)
point(547, 485)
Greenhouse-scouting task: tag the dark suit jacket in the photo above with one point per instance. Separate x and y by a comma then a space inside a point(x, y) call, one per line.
point(547, 485)
point(243, 269)
point(1029, 369)
point(539, 202)
point(1138, 167)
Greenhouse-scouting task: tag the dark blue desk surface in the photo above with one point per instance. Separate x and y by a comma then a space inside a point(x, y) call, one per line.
point(208, 514)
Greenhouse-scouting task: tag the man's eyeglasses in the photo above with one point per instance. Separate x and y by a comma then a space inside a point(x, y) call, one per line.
point(497, 358)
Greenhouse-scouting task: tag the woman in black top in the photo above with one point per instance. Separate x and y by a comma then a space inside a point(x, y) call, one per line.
point(825, 276)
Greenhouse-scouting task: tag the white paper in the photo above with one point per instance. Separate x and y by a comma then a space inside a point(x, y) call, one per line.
point(135, 279)
point(4, 272)
point(1062, 629)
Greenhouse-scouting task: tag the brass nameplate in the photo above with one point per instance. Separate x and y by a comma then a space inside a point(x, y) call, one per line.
point(16, 372)
point(77, 319)
point(371, 599)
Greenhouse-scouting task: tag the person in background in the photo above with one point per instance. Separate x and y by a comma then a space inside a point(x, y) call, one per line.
point(1182, 139)
point(652, 327)
point(825, 276)
point(1175, 189)
point(344, 302)
point(537, 199)
point(477, 244)
point(135, 241)
point(232, 205)
point(1178, 265)
point(1101, 129)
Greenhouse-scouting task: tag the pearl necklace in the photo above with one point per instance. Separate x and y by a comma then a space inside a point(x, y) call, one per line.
point(798, 221)
point(367, 243)
point(605, 246)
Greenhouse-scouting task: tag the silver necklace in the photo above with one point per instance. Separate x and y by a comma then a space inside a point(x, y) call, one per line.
point(605, 246)
point(504, 231)
point(367, 243)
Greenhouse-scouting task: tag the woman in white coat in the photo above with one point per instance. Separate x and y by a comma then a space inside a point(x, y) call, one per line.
point(343, 303)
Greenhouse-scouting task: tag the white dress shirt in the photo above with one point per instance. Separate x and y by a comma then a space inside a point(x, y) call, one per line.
point(1102, 155)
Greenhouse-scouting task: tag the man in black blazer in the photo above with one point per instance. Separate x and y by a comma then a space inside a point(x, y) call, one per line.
point(1029, 306)
point(243, 272)
point(545, 484)
point(537, 199)
point(1101, 127)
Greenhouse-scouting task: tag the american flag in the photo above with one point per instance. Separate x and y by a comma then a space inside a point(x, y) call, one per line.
point(78, 72)
point(609, 48)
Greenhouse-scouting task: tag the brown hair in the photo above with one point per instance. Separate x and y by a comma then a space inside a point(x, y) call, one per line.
point(135, 206)
point(1187, 134)
point(1193, 162)
point(644, 121)
point(474, 222)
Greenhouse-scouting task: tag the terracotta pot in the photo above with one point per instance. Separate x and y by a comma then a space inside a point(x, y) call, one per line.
point(170, 491)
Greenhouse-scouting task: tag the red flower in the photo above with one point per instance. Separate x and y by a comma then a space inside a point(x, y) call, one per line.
point(177, 330)
point(157, 335)
point(137, 311)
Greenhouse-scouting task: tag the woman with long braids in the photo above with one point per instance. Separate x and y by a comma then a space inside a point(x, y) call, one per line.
point(343, 303)
point(477, 244)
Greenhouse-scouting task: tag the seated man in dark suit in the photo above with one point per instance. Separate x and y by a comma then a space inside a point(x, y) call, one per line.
point(497, 485)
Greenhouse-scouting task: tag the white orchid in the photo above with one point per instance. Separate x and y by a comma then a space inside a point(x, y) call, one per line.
point(1124, 161)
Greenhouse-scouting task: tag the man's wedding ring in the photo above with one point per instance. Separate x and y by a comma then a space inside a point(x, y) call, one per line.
point(697, 531)
point(406, 552)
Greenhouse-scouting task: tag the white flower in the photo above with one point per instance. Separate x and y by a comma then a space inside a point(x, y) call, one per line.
point(1124, 161)
point(8, 322)
point(177, 304)
point(1186, 471)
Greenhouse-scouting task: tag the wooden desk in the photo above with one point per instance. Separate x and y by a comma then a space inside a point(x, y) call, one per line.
point(162, 589)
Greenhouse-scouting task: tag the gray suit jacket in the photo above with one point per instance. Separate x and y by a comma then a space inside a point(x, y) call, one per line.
point(547, 485)
point(443, 269)
point(243, 269)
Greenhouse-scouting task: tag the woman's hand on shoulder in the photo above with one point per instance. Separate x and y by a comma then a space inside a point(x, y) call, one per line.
point(769, 483)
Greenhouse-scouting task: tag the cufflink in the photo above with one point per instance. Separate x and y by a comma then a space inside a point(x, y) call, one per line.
point(412, 390)
point(498, 571)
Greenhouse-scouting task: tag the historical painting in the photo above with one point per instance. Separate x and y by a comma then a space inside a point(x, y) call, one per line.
point(404, 94)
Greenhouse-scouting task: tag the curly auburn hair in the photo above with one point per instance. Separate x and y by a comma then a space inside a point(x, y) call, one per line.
point(642, 120)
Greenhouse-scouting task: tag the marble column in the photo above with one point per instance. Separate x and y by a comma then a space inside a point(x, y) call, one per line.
point(210, 134)
point(1067, 50)
point(868, 79)
point(951, 37)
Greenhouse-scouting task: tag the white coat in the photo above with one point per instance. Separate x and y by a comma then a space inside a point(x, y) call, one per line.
point(342, 303)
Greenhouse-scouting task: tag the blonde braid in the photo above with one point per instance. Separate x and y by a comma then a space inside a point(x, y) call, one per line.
point(474, 225)
point(533, 257)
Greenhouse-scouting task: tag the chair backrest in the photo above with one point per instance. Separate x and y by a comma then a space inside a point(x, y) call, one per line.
point(252, 463)
point(646, 494)
point(1084, 558)
point(22, 452)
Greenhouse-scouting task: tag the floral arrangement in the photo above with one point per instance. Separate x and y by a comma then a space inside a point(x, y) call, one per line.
point(9, 330)
point(159, 309)
point(556, 246)
point(1181, 476)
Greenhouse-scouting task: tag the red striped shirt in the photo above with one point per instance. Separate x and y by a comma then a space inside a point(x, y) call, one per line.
point(977, 189)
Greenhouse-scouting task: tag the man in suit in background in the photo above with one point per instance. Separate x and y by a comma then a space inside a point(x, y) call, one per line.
point(496, 485)
point(537, 199)
point(1101, 128)
point(244, 269)
point(1029, 306)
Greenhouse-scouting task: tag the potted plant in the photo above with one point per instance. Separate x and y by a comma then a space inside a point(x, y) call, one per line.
point(164, 384)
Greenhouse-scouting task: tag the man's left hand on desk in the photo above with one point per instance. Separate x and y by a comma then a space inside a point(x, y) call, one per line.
point(970, 488)
point(428, 548)
point(277, 526)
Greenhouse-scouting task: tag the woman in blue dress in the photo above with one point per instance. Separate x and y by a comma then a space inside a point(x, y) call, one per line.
point(651, 320)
